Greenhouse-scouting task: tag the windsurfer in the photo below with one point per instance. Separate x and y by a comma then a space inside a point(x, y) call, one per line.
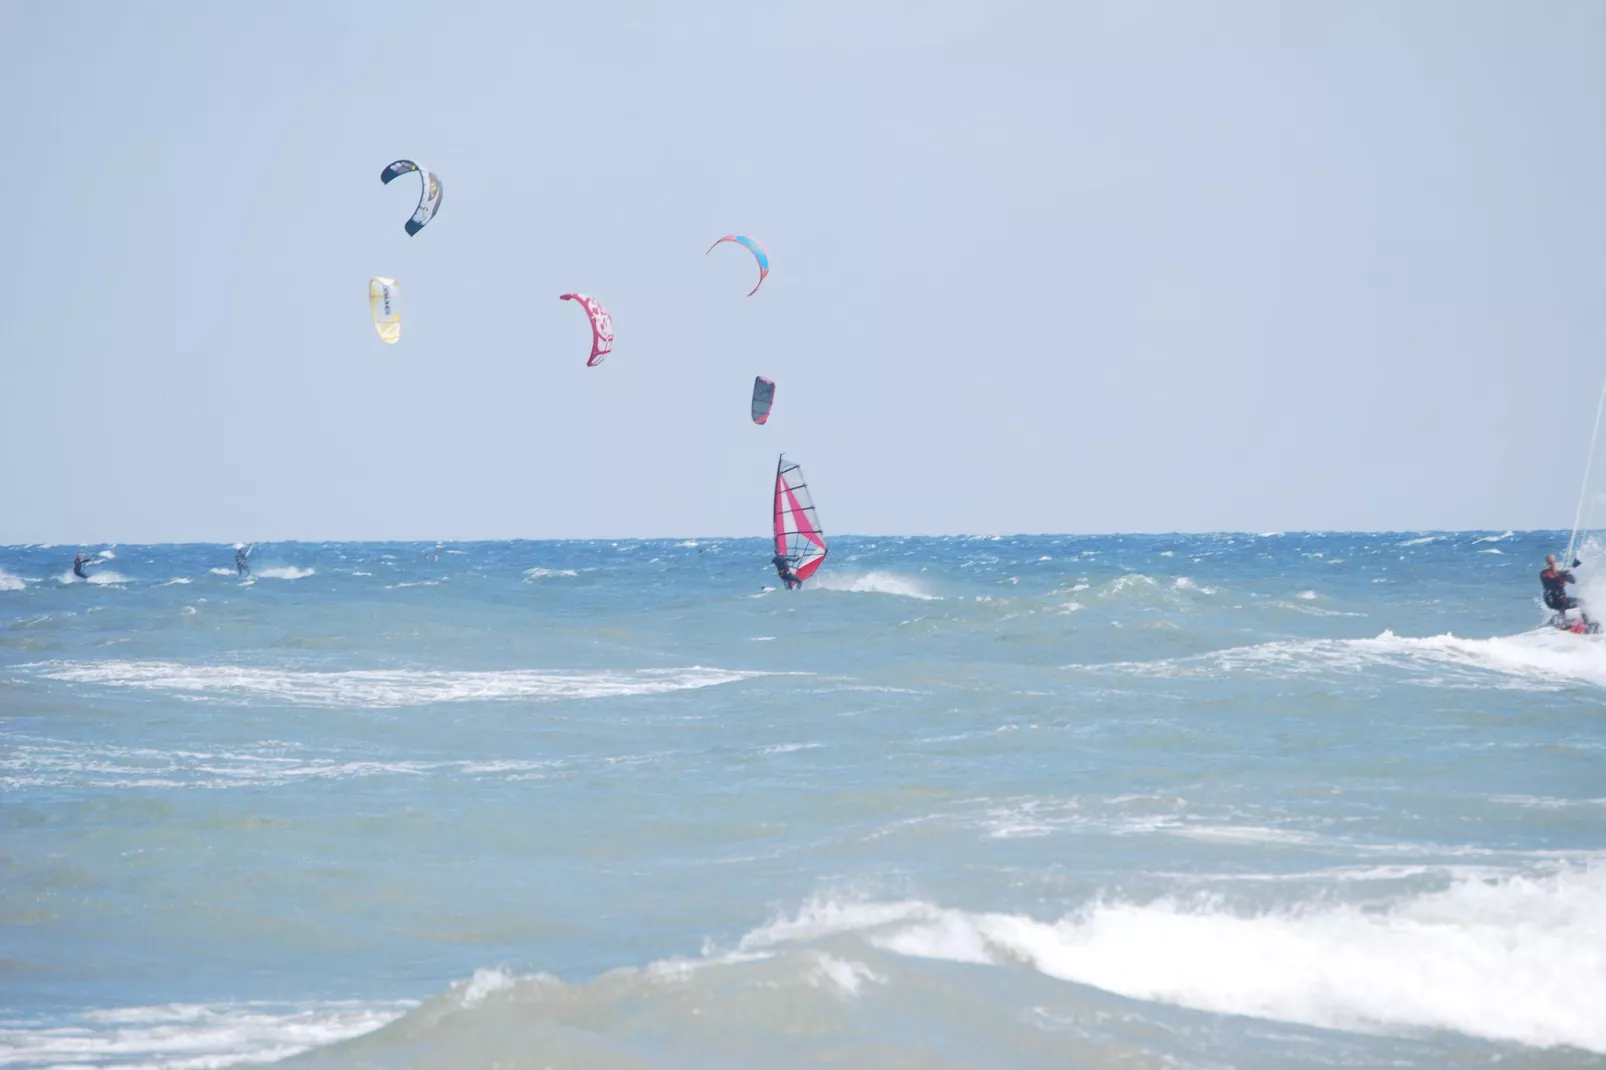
point(240, 567)
point(1554, 581)
point(78, 563)
point(783, 568)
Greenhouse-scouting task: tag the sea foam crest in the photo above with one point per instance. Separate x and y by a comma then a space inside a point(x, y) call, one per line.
point(191, 1036)
point(1542, 660)
point(383, 687)
point(875, 583)
point(1518, 959)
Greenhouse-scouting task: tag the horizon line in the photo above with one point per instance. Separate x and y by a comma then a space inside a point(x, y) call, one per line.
point(1512, 532)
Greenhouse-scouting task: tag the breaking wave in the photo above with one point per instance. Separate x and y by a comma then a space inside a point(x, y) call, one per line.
point(1542, 660)
point(1518, 959)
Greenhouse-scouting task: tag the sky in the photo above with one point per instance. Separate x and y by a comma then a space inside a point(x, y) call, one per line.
point(1055, 266)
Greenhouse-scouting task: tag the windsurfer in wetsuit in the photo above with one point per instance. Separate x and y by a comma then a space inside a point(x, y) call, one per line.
point(240, 567)
point(78, 563)
point(783, 567)
point(1555, 581)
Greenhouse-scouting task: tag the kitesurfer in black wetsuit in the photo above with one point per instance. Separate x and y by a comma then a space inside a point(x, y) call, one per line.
point(1554, 581)
point(78, 563)
point(240, 567)
point(783, 567)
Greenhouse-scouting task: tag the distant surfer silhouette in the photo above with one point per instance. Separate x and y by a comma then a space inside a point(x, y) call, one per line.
point(78, 563)
point(240, 567)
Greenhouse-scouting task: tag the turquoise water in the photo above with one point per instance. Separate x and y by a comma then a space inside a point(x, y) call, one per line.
point(1234, 800)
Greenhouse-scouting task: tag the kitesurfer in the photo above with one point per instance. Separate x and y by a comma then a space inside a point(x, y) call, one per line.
point(240, 567)
point(783, 567)
point(78, 563)
point(1554, 581)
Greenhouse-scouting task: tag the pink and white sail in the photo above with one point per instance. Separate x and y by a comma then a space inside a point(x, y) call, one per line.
point(797, 524)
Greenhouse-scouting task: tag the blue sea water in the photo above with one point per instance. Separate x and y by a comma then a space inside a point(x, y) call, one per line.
point(1141, 801)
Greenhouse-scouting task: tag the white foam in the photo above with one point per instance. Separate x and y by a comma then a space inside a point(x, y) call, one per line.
point(1424, 540)
point(1183, 583)
point(176, 580)
point(106, 555)
point(1492, 550)
point(188, 1036)
point(788, 748)
point(1307, 595)
point(285, 573)
point(1545, 659)
point(1495, 538)
point(383, 687)
point(540, 573)
point(221, 571)
point(846, 977)
point(1131, 579)
point(875, 583)
point(34, 762)
point(1519, 959)
point(8, 582)
point(482, 984)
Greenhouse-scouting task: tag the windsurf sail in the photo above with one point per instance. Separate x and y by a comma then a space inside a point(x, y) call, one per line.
point(763, 398)
point(797, 525)
point(384, 304)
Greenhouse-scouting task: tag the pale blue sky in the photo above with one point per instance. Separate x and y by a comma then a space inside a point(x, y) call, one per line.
point(1052, 267)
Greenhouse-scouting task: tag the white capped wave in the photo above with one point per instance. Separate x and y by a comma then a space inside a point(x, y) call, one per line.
point(102, 576)
point(874, 583)
point(1495, 538)
point(284, 573)
point(1423, 541)
point(190, 1036)
point(221, 571)
point(8, 582)
point(1131, 579)
point(43, 762)
point(176, 580)
point(788, 748)
point(541, 573)
point(1545, 659)
point(383, 687)
point(1519, 959)
point(106, 555)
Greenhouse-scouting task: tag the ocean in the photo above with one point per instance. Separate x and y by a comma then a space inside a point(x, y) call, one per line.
point(1275, 800)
